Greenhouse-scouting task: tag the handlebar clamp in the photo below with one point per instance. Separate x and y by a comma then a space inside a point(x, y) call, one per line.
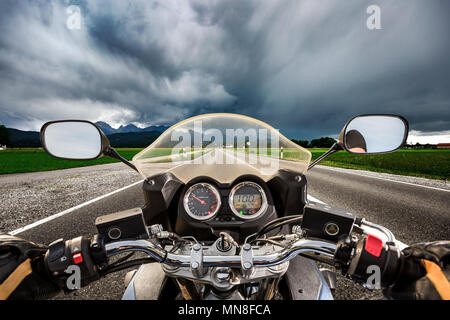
point(197, 260)
point(247, 260)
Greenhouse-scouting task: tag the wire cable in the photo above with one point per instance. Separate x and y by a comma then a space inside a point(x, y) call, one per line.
point(278, 223)
point(114, 268)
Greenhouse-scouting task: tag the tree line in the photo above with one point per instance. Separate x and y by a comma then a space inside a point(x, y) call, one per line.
point(4, 136)
point(324, 142)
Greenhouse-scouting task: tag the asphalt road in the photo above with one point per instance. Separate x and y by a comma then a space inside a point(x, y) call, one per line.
point(412, 212)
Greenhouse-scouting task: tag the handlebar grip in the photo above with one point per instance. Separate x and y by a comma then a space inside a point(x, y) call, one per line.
point(359, 259)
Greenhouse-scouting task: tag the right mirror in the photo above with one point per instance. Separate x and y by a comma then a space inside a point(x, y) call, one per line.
point(370, 134)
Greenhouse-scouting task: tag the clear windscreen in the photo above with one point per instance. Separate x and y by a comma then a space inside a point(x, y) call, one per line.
point(223, 147)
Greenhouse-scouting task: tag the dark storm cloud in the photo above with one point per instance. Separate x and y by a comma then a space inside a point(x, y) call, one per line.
point(303, 66)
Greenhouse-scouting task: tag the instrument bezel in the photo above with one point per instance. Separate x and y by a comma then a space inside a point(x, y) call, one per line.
point(264, 204)
point(186, 199)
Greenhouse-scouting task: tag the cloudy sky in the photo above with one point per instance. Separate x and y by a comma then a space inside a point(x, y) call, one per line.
point(305, 67)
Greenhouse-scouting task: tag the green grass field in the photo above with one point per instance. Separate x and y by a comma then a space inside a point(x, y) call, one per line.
point(434, 164)
point(426, 163)
point(35, 159)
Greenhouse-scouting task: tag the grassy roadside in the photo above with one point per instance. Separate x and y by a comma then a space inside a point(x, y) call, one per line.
point(425, 163)
point(434, 164)
point(35, 159)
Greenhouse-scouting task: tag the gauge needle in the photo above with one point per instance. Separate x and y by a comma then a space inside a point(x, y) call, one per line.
point(201, 201)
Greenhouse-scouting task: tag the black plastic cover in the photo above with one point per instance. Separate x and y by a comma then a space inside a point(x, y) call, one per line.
point(326, 222)
point(128, 224)
point(159, 192)
point(289, 191)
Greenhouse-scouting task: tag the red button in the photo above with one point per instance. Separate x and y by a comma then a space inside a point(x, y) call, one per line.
point(374, 245)
point(77, 258)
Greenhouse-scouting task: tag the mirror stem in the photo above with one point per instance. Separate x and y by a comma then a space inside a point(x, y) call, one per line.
point(334, 148)
point(111, 152)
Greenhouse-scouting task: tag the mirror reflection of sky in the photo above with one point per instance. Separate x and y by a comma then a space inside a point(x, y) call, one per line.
point(381, 133)
point(74, 140)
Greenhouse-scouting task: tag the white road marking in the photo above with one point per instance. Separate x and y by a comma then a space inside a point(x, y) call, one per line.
point(60, 214)
point(379, 178)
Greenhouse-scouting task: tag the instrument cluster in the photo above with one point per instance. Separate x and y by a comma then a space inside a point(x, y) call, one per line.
point(246, 200)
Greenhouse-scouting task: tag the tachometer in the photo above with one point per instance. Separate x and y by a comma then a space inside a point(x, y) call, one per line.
point(248, 200)
point(202, 201)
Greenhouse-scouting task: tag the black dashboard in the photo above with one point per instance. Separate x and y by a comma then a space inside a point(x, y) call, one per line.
point(206, 203)
point(203, 207)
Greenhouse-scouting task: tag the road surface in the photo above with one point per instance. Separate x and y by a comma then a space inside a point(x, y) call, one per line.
point(413, 212)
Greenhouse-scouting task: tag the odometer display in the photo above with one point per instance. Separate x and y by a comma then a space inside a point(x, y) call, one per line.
point(248, 200)
point(202, 201)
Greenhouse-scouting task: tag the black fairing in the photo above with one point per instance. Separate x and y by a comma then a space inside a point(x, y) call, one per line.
point(289, 191)
point(159, 193)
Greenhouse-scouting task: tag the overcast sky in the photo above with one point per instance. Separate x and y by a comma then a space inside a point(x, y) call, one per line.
point(305, 67)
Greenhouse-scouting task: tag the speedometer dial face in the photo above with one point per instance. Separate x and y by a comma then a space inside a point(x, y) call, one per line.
point(248, 200)
point(202, 201)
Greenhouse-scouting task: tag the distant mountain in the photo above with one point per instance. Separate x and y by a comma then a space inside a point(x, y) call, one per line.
point(24, 139)
point(107, 129)
point(128, 128)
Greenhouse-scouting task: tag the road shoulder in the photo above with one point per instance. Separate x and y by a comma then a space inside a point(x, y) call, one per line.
point(432, 183)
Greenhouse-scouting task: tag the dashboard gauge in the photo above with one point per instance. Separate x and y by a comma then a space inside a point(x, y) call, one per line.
point(202, 201)
point(248, 200)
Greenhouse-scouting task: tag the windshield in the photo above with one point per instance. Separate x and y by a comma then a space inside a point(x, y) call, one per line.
point(223, 147)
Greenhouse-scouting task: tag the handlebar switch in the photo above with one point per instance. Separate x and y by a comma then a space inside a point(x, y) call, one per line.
point(62, 256)
point(56, 250)
point(98, 250)
point(344, 252)
point(354, 257)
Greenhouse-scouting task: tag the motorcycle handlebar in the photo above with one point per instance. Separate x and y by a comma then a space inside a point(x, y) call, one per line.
point(351, 255)
point(176, 260)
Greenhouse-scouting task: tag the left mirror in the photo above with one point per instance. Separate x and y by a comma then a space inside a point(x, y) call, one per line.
point(76, 140)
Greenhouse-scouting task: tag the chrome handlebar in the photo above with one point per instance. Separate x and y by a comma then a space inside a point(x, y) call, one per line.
point(301, 246)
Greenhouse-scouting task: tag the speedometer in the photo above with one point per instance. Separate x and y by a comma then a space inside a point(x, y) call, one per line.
point(202, 201)
point(248, 200)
